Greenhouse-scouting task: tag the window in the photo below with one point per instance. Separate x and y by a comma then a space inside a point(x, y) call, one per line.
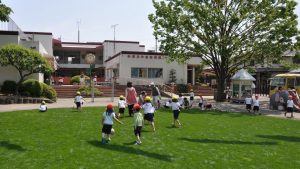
point(146, 72)
point(297, 81)
point(154, 73)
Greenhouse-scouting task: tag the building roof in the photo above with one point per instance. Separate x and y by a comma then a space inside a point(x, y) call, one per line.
point(118, 41)
point(9, 32)
point(39, 33)
point(242, 74)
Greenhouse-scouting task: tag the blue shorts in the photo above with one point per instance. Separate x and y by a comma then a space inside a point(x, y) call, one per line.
point(149, 117)
point(106, 128)
point(176, 114)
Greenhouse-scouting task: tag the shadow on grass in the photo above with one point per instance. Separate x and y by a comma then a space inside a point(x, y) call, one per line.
point(228, 141)
point(130, 150)
point(280, 137)
point(217, 112)
point(11, 146)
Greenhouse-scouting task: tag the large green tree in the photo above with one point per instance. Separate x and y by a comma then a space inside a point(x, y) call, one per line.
point(4, 12)
point(26, 61)
point(226, 34)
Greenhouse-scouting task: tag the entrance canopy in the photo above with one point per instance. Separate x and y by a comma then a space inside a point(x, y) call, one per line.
point(242, 75)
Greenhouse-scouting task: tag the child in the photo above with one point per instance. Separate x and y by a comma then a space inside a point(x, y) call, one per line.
point(192, 95)
point(138, 122)
point(290, 106)
point(201, 102)
point(78, 100)
point(180, 99)
point(149, 111)
point(142, 96)
point(248, 102)
point(176, 110)
point(256, 105)
point(107, 121)
point(186, 103)
point(121, 105)
point(43, 107)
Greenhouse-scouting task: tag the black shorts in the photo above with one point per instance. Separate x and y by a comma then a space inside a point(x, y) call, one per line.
point(149, 117)
point(191, 98)
point(138, 130)
point(176, 114)
point(78, 104)
point(290, 109)
point(200, 104)
point(121, 110)
point(106, 128)
point(256, 108)
point(248, 106)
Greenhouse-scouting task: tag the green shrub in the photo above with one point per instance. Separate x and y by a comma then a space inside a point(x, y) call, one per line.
point(86, 90)
point(182, 88)
point(9, 87)
point(76, 79)
point(33, 87)
point(49, 92)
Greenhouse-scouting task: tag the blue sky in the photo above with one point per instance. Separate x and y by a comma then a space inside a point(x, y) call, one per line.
point(60, 17)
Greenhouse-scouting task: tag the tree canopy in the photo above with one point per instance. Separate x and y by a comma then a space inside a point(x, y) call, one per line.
point(4, 12)
point(26, 61)
point(225, 34)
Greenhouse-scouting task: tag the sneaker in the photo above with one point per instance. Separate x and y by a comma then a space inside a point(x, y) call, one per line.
point(103, 141)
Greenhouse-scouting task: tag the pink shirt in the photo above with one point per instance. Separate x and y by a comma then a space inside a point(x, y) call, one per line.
point(131, 96)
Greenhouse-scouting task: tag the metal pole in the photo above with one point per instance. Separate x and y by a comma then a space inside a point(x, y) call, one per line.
point(114, 26)
point(78, 33)
point(93, 85)
point(113, 87)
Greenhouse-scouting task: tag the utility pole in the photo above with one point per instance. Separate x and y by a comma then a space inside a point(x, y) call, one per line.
point(78, 35)
point(114, 27)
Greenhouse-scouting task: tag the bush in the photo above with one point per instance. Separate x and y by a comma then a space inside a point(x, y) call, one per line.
point(182, 88)
point(9, 87)
point(76, 79)
point(86, 90)
point(49, 92)
point(33, 87)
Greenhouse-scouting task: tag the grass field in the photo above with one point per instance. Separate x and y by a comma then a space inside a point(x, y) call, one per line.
point(65, 138)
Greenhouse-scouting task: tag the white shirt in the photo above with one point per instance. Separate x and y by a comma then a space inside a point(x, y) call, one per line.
point(248, 100)
point(290, 103)
point(43, 107)
point(255, 102)
point(109, 119)
point(78, 98)
point(122, 103)
point(175, 105)
point(180, 100)
point(192, 94)
point(201, 100)
point(148, 108)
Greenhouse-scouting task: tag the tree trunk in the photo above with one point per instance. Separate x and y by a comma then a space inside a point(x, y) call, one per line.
point(219, 94)
point(19, 85)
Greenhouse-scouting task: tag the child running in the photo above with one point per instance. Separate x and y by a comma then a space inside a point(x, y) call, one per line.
point(248, 102)
point(78, 100)
point(192, 95)
point(138, 122)
point(121, 105)
point(149, 111)
point(256, 105)
point(43, 107)
point(290, 106)
point(176, 110)
point(108, 118)
point(141, 99)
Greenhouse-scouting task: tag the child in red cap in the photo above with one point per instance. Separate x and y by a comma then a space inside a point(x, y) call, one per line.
point(108, 121)
point(138, 122)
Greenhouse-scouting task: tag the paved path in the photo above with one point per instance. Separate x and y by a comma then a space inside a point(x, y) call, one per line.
point(223, 106)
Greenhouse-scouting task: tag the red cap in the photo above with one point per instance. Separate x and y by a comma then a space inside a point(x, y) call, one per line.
point(109, 107)
point(136, 107)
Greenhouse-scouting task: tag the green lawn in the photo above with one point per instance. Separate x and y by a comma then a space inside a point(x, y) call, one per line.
point(65, 138)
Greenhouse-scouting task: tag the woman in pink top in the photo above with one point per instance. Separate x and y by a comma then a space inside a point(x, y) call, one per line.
point(131, 95)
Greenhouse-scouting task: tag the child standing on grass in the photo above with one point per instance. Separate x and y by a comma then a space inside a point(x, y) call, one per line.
point(138, 122)
point(108, 118)
point(176, 110)
point(186, 103)
point(141, 99)
point(248, 102)
point(43, 107)
point(78, 100)
point(290, 106)
point(149, 111)
point(256, 105)
point(180, 99)
point(201, 102)
point(121, 105)
point(192, 95)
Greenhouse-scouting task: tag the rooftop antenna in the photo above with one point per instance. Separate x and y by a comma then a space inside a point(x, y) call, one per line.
point(78, 23)
point(114, 27)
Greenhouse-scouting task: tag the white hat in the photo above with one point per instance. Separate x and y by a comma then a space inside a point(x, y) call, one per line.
point(152, 83)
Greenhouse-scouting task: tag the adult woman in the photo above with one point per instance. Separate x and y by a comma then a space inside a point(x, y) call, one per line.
point(131, 95)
